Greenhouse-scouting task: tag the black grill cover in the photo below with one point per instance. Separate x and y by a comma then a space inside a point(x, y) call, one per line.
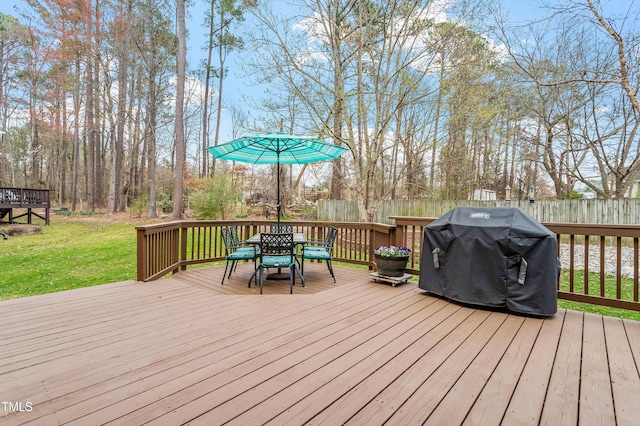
point(497, 257)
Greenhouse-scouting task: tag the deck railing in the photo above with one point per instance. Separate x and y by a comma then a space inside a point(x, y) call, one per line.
point(611, 280)
point(170, 247)
point(23, 198)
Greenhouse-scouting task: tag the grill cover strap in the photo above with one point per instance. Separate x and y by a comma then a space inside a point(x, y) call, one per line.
point(522, 276)
point(436, 258)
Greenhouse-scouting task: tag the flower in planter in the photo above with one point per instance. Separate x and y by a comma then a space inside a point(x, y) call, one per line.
point(392, 251)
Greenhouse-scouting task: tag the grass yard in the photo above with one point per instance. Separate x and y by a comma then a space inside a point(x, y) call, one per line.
point(594, 289)
point(69, 253)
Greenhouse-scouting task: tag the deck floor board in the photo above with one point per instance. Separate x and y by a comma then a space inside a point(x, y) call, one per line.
point(596, 380)
point(187, 349)
point(492, 402)
point(463, 394)
point(561, 403)
point(624, 373)
point(527, 401)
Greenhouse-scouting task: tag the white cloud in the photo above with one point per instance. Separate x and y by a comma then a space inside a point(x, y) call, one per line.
point(194, 91)
point(309, 56)
point(313, 27)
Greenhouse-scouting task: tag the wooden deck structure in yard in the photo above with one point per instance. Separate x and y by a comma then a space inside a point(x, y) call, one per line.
point(186, 349)
point(25, 202)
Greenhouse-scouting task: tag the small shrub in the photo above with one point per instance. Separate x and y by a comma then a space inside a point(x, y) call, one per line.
point(216, 199)
point(139, 206)
point(165, 202)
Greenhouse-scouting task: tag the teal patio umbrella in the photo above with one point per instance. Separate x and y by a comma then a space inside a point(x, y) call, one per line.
point(277, 148)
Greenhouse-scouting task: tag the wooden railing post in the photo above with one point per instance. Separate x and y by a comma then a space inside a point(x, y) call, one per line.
point(142, 257)
point(180, 242)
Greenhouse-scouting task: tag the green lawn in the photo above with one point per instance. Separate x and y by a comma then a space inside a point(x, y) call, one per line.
point(67, 254)
point(594, 289)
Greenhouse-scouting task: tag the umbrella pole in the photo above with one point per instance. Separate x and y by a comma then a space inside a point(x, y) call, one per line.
point(278, 200)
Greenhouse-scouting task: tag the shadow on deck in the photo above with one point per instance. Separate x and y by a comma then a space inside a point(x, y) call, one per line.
point(186, 349)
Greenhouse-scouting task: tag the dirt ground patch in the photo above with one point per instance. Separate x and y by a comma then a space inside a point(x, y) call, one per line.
point(20, 229)
point(101, 216)
point(129, 217)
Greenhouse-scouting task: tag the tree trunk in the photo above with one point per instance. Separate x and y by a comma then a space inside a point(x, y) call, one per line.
point(115, 183)
point(150, 131)
point(90, 132)
point(178, 204)
point(336, 175)
point(118, 150)
point(205, 106)
point(221, 76)
point(35, 138)
point(62, 116)
point(76, 139)
point(98, 117)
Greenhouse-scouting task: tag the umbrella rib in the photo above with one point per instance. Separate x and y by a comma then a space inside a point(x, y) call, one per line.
point(264, 148)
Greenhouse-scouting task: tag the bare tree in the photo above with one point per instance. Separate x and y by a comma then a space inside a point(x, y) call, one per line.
point(90, 117)
point(367, 64)
point(583, 76)
point(180, 145)
point(14, 41)
point(123, 47)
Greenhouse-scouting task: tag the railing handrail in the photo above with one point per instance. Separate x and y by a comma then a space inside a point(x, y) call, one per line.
point(172, 246)
point(23, 197)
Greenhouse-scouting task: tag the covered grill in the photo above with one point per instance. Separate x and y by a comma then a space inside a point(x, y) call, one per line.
point(495, 257)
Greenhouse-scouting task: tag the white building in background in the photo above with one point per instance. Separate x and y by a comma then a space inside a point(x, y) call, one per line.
point(484, 195)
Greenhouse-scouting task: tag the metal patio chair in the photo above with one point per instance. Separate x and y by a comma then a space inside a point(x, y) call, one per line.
point(277, 250)
point(241, 245)
point(281, 227)
point(321, 250)
point(235, 252)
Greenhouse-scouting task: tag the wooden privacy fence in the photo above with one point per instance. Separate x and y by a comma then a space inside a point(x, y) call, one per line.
point(609, 278)
point(614, 212)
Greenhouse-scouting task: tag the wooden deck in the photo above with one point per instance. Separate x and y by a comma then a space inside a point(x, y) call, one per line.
point(24, 201)
point(187, 350)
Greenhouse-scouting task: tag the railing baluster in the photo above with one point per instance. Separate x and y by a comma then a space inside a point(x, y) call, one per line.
point(619, 268)
point(635, 269)
point(602, 265)
point(586, 264)
point(572, 247)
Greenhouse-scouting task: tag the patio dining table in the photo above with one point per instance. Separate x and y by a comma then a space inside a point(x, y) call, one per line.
point(298, 239)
